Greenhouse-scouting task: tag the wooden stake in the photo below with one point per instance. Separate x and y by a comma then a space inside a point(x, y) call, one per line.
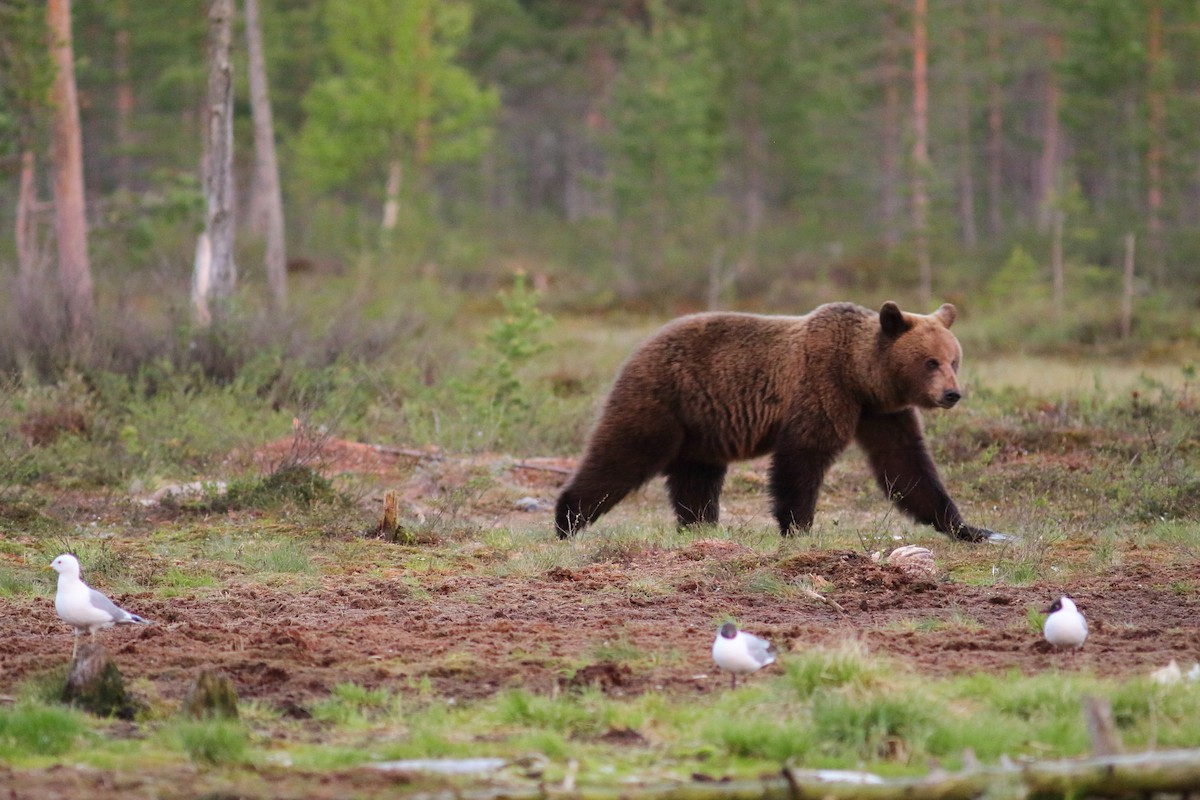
point(389, 525)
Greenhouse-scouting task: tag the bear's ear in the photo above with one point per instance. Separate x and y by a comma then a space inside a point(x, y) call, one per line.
point(947, 314)
point(892, 320)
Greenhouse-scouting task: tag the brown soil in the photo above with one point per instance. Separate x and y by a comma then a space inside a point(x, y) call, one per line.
point(288, 648)
point(472, 635)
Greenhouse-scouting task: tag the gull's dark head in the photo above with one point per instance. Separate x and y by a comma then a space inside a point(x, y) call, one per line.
point(728, 630)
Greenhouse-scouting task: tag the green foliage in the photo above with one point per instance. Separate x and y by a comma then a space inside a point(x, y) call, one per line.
point(26, 74)
point(819, 670)
point(746, 736)
point(876, 727)
point(351, 704)
point(581, 714)
point(514, 338)
point(395, 94)
point(666, 139)
point(494, 404)
point(290, 485)
point(288, 557)
point(213, 742)
point(1020, 278)
point(30, 729)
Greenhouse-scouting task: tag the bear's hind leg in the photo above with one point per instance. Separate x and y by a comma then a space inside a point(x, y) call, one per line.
point(577, 508)
point(612, 468)
point(695, 491)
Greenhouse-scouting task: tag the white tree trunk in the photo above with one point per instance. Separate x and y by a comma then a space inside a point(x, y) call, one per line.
point(202, 281)
point(266, 200)
point(391, 202)
point(214, 291)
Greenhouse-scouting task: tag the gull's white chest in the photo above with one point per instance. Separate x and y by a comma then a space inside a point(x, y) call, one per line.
point(733, 655)
point(1066, 628)
point(74, 605)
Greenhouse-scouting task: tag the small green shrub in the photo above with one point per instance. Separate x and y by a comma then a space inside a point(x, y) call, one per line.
point(28, 729)
point(884, 726)
point(291, 484)
point(216, 742)
point(829, 669)
point(351, 703)
point(748, 736)
point(569, 714)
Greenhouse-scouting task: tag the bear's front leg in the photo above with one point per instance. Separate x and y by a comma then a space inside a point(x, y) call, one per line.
point(903, 468)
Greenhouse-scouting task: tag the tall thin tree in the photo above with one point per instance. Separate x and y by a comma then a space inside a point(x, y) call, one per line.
point(1157, 134)
point(1048, 165)
point(920, 152)
point(266, 200)
point(122, 54)
point(215, 275)
point(70, 221)
point(966, 167)
point(995, 117)
point(890, 149)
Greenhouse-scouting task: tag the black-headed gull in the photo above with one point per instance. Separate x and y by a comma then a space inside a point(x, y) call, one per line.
point(81, 606)
point(1065, 626)
point(740, 653)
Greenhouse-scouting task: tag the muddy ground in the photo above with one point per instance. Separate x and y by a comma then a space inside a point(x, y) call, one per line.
point(472, 634)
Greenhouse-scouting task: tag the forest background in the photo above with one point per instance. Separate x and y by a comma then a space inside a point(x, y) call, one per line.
point(1034, 162)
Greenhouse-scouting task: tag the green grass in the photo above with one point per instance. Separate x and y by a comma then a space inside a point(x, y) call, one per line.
point(30, 729)
point(210, 742)
point(352, 704)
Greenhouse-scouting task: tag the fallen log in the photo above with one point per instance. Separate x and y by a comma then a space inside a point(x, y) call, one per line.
point(1168, 771)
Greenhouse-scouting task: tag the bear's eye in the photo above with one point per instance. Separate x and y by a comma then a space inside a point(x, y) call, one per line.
point(932, 365)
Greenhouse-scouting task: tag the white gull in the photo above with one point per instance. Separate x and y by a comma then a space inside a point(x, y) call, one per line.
point(81, 606)
point(1065, 626)
point(740, 653)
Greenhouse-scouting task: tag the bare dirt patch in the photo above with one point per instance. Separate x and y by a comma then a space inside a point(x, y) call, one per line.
point(474, 635)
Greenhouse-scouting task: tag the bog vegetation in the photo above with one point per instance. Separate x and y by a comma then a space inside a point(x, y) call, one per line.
point(488, 204)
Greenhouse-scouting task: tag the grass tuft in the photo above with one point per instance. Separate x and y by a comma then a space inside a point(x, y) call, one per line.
point(30, 729)
point(212, 742)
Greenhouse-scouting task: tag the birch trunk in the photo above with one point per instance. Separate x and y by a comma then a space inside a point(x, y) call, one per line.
point(212, 288)
point(266, 199)
point(391, 192)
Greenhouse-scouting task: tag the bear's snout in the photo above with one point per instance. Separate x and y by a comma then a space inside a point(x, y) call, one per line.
point(950, 397)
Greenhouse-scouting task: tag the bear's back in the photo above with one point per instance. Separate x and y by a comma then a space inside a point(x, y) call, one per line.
point(731, 379)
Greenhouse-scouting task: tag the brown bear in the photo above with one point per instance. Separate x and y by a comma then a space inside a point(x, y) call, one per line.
point(708, 389)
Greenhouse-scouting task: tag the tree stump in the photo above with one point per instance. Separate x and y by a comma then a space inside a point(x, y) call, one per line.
point(95, 684)
point(212, 695)
point(389, 527)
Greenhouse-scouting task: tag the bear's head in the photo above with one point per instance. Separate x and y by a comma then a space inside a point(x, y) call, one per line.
point(922, 354)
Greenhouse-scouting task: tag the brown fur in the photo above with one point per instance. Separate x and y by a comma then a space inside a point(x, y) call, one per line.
point(708, 389)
